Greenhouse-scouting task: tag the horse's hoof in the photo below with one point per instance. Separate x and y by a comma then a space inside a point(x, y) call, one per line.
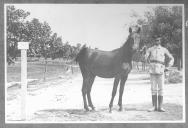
point(110, 111)
point(86, 109)
point(120, 109)
point(92, 108)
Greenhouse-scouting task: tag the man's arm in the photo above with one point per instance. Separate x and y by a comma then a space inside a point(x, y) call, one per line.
point(171, 58)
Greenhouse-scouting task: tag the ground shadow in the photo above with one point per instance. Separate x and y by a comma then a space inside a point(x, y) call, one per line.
point(131, 112)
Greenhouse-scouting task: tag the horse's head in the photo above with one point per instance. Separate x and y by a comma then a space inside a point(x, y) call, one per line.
point(135, 37)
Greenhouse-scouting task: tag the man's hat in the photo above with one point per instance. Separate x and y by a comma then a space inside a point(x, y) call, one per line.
point(158, 38)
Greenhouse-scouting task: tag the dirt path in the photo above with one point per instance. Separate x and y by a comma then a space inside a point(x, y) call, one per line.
point(62, 101)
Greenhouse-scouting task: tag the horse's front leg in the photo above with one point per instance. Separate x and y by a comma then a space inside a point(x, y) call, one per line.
point(91, 80)
point(84, 92)
point(121, 89)
point(116, 82)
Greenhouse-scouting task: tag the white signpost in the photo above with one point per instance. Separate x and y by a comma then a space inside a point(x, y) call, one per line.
point(23, 46)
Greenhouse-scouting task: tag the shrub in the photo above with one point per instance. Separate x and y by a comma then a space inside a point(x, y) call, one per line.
point(173, 76)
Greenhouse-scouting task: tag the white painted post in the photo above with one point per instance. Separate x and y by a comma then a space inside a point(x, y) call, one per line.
point(23, 46)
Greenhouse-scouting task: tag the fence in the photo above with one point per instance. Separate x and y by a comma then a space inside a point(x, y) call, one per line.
point(38, 69)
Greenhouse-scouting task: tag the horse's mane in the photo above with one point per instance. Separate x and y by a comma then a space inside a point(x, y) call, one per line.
point(126, 50)
point(124, 45)
point(81, 53)
point(127, 42)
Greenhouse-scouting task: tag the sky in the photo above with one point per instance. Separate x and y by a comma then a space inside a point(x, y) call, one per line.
point(103, 26)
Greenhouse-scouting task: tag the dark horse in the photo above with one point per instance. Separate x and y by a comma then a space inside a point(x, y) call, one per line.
point(107, 64)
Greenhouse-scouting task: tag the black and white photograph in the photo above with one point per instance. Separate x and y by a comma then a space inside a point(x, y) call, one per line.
point(94, 63)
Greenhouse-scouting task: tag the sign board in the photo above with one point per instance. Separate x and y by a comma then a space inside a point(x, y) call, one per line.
point(23, 45)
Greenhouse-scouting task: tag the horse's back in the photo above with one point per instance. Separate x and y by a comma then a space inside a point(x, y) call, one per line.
point(103, 58)
point(105, 64)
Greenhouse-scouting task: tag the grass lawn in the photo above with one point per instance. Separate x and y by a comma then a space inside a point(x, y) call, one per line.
point(57, 68)
point(35, 71)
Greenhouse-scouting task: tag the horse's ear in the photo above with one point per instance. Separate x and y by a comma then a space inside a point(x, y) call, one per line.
point(130, 30)
point(139, 29)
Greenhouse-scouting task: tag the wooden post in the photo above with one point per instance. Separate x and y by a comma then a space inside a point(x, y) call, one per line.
point(45, 59)
point(72, 69)
point(23, 46)
point(45, 69)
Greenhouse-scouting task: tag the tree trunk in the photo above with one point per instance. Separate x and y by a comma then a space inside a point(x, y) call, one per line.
point(179, 63)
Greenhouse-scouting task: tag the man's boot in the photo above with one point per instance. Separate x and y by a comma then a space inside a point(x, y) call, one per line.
point(154, 103)
point(160, 101)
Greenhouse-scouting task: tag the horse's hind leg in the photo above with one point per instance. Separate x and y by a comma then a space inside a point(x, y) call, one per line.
point(121, 89)
point(84, 91)
point(90, 83)
point(116, 82)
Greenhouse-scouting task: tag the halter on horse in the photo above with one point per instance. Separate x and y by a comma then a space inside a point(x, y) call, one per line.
point(139, 57)
point(107, 64)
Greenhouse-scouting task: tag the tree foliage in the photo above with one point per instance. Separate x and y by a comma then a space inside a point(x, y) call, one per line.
point(39, 36)
point(16, 29)
point(43, 42)
point(166, 22)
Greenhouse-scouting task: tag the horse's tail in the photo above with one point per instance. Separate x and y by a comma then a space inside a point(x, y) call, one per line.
point(81, 54)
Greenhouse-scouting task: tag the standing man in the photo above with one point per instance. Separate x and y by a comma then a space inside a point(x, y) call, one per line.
point(156, 58)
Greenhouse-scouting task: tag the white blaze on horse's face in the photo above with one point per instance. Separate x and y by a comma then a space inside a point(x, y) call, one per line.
point(135, 34)
point(136, 38)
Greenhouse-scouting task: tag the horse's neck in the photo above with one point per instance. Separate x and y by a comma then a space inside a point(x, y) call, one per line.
point(126, 53)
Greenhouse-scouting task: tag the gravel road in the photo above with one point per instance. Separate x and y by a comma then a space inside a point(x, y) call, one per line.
point(60, 101)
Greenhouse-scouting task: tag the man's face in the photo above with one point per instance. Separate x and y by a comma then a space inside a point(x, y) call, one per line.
point(158, 41)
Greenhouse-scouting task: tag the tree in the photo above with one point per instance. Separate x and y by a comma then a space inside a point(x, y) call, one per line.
point(42, 42)
point(67, 50)
point(166, 22)
point(31, 31)
point(16, 30)
point(56, 46)
point(39, 35)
